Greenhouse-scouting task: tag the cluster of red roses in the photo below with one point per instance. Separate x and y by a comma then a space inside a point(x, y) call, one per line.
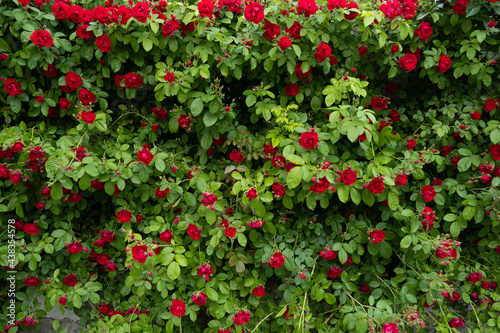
point(393, 9)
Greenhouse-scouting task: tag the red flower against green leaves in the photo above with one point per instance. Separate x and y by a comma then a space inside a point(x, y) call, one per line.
point(292, 89)
point(460, 7)
point(376, 186)
point(376, 236)
point(184, 121)
point(300, 74)
point(307, 7)
point(348, 177)
point(205, 270)
point(284, 43)
point(424, 31)
point(294, 30)
point(271, 30)
point(277, 260)
point(42, 38)
point(12, 87)
point(124, 216)
point(378, 103)
point(495, 152)
point(145, 156)
point(86, 97)
point(323, 51)
point(199, 298)
point(251, 193)
point(254, 12)
point(334, 272)
point(241, 317)
point(236, 156)
point(140, 12)
point(428, 193)
point(489, 105)
point(390, 328)
point(70, 280)
point(259, 291)
point(169, 27)
point(401, 179)
point(309, 140)
point(31, 281)
point(230, 232)
point(206, 9)
point(456, 322)
point(177, 308)
point(443, 64)
point(133, 80)
point(352, 14)
point(193, 231)
point(139, 253)
point(410, 144)
point(408, 62)
point(278, 189)
point(103, 43)
point(320, 185)
point(87, 117)
point(334, 4)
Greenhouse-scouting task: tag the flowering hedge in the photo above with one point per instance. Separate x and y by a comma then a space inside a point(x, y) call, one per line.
point(267, 166)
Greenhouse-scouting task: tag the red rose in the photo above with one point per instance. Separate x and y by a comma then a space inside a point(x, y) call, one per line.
point(376, 186)
point(323, 51)
point(456, 322)
point(107, 236)
point(230, 232)
point(70, 280)
point(15, 177)
point(199, 298)
point(377, 236)
point(101, 14)
point(443, 64)
point(145, 156)
point(31, 281)
point(309, 140)
point(460, 7)
point(124, 216)
point(284, 43)
point(333, 4)
point(169, 77)
point(320, 185)
point(236, 156)
point(31, 228)
point(12, 87)
point(446, 150)
point(140, 12)
point(189, 27)
point(75, 197)
point(428, 193)
point(64, 103)
point(495, 152)
point(278, 189)
point(161, 194)
point(475, 115)
point(294, 30)
point(307, 7)
point(169, 27)
point(401, 179)
point(61, 10)
point(184, 121)
point(259, 291)
point(42, 38)
point(391, 9)
point(73, 81)
point(74, 13)
point(251, 193)
point(410, 144)
point(394, 48)
point(424, 31)
point(334, 272)
point(209, 199)
point(390, 328)
point(489, 105)
point(103, 259)
point(206, 8)
point(193, 231)
point(85, 16)
point(292, 89)
point(87, 117)
point(300, 74)
point(277, 260)
point(408, 62)
point(241, 317)
point(39, 98)
point(74, 247)
point(378, 103)
point(394, 115)
point(139, 253)
point(103, 43)
point(254, 12)
point(363, 50)
point(166, 236)
point(348, 177)
point(133, 80)
point(62, 300)
point(111, 267)
point(51, 70)
point(352, 14)
point(333, 60)
point(271, 30)
point(365, 288)
point(86, 97)
point(177, 307)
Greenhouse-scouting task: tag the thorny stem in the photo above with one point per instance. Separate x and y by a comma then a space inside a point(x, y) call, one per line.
point(260, 322)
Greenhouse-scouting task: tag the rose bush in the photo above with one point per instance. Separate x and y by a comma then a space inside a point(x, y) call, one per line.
point(222, 166)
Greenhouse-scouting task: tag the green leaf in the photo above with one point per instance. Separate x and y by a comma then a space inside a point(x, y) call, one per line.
point(330, 299)
point(406, 242)
point(495, 136)
point(355, 196)
point(454, 229)
point(294, 177)
point(343, 193)
point(56, 191)
point(212, 294)
point(393, 200)
point(242, 239)
point(361, 326)
point(311, 202)
point(77, 301)
point(368, 197)
point(174, 270)
point(209, 119)
point(196, 107)
point(295, 159)
point(464, 164)
point(181, 259)
point(159, 164)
